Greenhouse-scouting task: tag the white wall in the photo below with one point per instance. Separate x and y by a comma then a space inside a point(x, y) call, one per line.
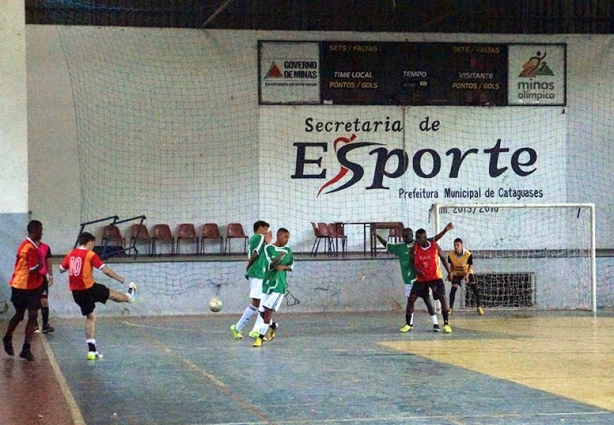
point(166, 123)
point(13, 124)
point(13, 137)
point(53, 166)
point(330, 286)
point(130, 166)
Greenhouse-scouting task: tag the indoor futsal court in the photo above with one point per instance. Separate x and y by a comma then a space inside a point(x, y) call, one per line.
point(170, 129)
point(507, 367)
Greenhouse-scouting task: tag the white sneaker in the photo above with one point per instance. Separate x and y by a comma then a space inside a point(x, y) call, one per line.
point(132, 292)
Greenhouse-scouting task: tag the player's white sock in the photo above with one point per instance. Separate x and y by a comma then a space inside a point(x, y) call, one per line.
point(411, 321)
point(434, 319)
point(91, 344)
point(264, 328)
point(258, 324)
point(249, 312)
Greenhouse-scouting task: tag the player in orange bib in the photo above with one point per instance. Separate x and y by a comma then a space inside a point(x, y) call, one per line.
point(427, 257)
point(26, 286)
point(461, 261)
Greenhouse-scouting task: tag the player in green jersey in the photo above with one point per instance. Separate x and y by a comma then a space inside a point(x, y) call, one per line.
point(256, 269)
point(275, 284)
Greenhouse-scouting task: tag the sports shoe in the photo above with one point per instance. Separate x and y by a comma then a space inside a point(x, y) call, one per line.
point(93, 355)
point(8, 346)
point(132, 292)
point(27, 354)
point(480, 311)
point(447, 329)
point(258, 342)
point(37, 329)
point(254, 334)
point(406, 328)
point(47, 329)
point(270, 334)
point(436, 328)
point(237, 334)
point(450, 311)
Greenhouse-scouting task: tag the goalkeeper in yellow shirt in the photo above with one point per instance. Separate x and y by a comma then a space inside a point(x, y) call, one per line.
point(461, 263)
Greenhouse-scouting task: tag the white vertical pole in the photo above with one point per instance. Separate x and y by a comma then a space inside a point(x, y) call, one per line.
point(436, 219)
point(593, 261)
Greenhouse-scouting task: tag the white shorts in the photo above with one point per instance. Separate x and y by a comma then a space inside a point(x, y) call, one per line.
point(408, 290)
point(255, 288)
point(272, 301)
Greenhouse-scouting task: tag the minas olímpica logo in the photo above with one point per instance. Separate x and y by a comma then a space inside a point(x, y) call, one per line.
point(535, 66)
point(535, 83)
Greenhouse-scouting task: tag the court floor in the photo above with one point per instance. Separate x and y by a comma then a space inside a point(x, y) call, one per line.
point(508, 367)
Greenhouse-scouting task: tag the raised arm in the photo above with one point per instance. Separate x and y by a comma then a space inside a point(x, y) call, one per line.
point(379, 238)
point(445, 230)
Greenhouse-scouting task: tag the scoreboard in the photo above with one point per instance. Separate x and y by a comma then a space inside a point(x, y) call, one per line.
point(403, 73)
point(357, 73)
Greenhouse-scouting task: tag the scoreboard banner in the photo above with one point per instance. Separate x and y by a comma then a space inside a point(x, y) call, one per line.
point(403, 73)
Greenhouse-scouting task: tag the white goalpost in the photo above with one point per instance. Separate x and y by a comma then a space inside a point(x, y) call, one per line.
point(537, 256)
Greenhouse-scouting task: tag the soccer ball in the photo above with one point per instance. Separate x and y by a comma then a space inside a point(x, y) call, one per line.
point(215, 305)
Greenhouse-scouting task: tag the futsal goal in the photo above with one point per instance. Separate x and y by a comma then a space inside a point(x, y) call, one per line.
point(539, 256)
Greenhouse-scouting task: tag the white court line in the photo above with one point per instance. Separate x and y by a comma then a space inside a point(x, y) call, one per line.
point(212, 378)
point(75, 412)
point(458, 419)
point(166, 328)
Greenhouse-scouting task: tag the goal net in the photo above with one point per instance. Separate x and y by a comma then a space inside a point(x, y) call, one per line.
point(539, 256)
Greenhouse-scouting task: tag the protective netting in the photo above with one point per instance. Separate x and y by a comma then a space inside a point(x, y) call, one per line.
point(168, 125)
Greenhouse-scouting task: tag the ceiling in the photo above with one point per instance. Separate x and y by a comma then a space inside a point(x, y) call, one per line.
point(444, 16)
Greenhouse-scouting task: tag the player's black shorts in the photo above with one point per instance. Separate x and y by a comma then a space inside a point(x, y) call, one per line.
point(456, 280)
point(437, 286)
point(26, 298)
point(87, 298)
point(421, 290)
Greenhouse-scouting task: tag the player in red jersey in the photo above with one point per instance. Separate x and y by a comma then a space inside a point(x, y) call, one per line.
point(80, 263)
point(26, 285)
point(427, 258)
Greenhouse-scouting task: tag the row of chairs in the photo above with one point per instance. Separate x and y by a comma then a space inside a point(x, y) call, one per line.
point(332, 233)
point(186, 232)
